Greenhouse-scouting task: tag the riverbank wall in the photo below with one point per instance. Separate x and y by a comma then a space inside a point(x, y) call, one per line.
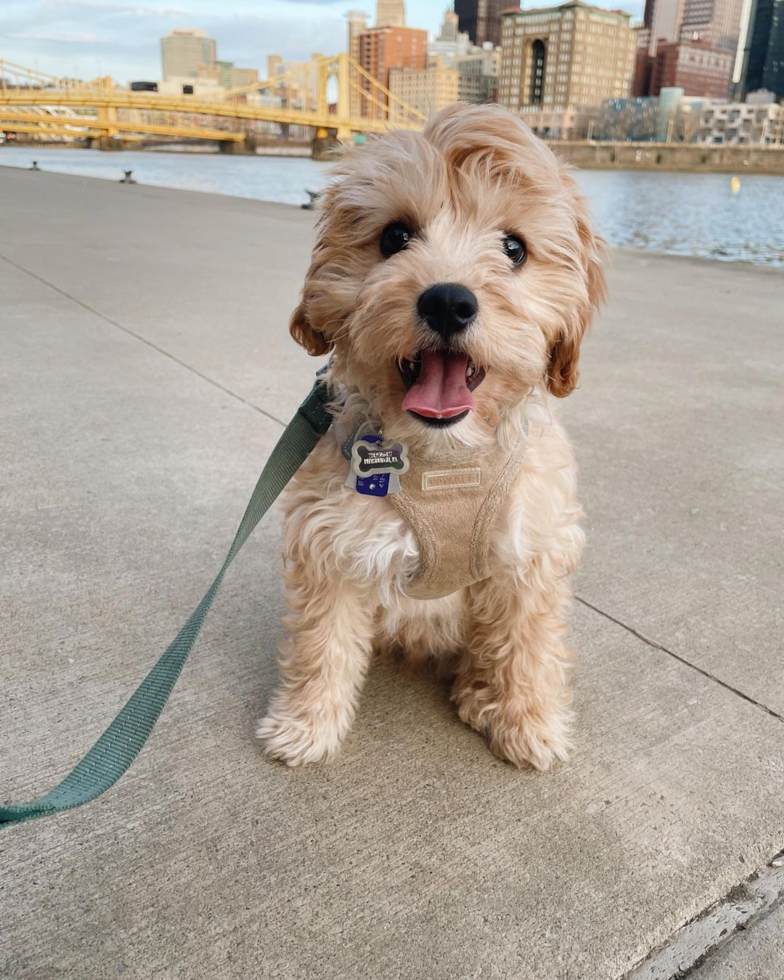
point(686, 157)
point(588, 155)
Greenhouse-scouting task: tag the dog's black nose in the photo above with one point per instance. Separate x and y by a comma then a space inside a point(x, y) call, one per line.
point(447, 308)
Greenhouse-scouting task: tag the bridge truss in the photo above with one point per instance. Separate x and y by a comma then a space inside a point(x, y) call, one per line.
point(341, 98)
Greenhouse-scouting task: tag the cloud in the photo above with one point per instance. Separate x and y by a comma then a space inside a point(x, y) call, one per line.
point(120, 9)
point(59, 37)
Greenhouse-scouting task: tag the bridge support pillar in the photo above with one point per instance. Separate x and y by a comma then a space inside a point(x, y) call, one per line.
point(106, 143)
point(325, 144)
point(246, 148)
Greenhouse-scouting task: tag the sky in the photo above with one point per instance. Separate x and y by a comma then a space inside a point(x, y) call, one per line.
point(89, 38)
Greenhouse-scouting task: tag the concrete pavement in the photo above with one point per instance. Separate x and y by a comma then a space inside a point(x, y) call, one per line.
point(146, 371)
point(755, 954)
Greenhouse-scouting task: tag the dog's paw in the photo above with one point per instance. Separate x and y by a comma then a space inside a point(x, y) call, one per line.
point(298, 740)
point(532, 744)
point(525, 738)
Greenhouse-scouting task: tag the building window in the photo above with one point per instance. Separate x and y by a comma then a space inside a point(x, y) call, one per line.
point(537, 71)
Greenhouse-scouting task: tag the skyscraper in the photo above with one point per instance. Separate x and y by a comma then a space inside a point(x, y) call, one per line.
point(450, 26)
point(760, 60)
point(663, 19)
point(184, 52)
point(773, 73)
point(716, 21)
point(357, 25)
point(390, 13)
point(450, 42)
point(481, 19)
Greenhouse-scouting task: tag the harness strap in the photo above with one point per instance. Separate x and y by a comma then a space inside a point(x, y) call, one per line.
point(124, 739)
point(452, 504)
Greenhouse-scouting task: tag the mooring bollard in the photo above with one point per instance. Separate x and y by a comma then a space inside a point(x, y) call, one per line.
point(127, 179)
point(35, 165)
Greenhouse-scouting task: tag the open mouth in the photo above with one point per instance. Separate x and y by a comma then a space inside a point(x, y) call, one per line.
point(440, 385)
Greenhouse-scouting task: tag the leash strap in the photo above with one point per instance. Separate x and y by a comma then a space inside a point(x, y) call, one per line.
point(122, 741)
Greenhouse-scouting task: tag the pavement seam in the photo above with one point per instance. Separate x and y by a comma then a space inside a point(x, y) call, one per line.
point(679, 658)
point(141, 339)
point(694, 944)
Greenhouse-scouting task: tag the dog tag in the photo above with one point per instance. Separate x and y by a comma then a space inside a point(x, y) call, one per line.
point(373, 486)
point(376, 466)
point(371, 457)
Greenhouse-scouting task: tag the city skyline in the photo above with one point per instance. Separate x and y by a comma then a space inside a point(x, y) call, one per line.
point(89, 38)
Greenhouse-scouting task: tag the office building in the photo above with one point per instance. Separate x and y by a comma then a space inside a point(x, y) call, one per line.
point(558, 64)
point(357, 24)
point(773, 71)
point(669, 113)
point(760, 61)
point(481, 19)
point(471, 78)
point(297, 81)
point(643, 62)
point(450, 43)
point(425, 89)
point(273, 62)
point(227, 75)
point(478, 75)
point(716, 21)
point(450, 26)
point(184, 52)
point(382, 48)
point(662, 19)
point(356, 21)
point(695, 67)
point(390, 13)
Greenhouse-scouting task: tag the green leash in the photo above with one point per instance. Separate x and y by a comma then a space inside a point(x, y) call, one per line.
point(124, 739)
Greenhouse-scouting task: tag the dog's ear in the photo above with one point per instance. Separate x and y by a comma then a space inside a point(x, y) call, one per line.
point(315, 343)
point(563, 372)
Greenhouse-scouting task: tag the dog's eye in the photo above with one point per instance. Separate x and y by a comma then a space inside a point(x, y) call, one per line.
point(394, 238)
point(515, 249)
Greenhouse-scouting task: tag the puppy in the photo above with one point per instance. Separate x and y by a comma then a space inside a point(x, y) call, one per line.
point(452, 280)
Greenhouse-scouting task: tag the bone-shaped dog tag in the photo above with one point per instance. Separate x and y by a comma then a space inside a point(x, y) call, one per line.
point(376, 466)
point(371, 457)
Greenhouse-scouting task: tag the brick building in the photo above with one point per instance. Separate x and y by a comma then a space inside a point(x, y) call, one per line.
point(696, 67)
point(382, 48)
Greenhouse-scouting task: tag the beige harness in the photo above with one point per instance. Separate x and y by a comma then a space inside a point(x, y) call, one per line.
point(451, 505)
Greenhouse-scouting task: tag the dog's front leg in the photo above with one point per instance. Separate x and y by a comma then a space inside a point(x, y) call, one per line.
point(322, 666)
point(512, 685)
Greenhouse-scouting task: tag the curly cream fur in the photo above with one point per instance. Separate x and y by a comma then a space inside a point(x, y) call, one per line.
point(474, 175)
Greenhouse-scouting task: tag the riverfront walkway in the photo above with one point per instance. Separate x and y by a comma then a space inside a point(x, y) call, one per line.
point(145, 373)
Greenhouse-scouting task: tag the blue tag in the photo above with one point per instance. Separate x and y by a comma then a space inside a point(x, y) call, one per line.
point(373, 486)
point(375, 472)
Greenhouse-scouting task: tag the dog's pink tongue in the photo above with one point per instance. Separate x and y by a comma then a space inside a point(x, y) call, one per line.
point(440, 391)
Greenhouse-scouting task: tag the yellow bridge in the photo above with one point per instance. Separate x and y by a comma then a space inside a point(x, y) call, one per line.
point(343, 100)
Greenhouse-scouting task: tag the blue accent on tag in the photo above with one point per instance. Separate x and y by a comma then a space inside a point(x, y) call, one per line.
point(373, 486)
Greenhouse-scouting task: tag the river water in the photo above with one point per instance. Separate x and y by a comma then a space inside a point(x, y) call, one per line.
point(680, 214)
